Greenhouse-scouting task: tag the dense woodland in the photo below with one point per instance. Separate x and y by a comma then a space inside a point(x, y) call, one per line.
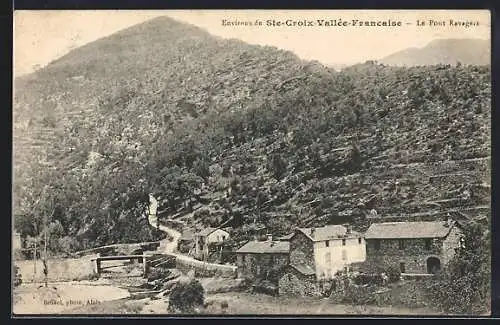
point(223, 132)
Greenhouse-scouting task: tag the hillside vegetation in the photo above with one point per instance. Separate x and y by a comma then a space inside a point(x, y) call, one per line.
point(240, 135)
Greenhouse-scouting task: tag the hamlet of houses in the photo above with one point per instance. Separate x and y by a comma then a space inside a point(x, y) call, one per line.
point(309, 256)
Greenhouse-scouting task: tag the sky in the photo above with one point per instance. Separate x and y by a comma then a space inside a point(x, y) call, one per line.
point(43, 36)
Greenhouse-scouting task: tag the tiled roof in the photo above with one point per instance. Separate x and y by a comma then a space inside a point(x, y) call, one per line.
point(205, 232)
point(421, 229)
point(276, 247)
point(327, 232)
point(287, 237)
point(304, 269)
point(187, 235)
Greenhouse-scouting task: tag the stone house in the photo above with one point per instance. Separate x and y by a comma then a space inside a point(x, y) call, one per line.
point(414, 247)
point(259, 260)
point(207, 240)
point(326, 250)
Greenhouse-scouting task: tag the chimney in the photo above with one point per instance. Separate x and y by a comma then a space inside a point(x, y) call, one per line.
point(349, 229)
point(313, 230)
point(269, 237)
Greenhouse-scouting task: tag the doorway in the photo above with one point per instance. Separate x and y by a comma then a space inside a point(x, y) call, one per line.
point(433, 265)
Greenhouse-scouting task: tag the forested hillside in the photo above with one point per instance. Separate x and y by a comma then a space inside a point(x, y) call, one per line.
point(239, 134)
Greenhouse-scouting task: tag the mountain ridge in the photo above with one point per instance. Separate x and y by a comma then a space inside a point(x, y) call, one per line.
point(443, 51)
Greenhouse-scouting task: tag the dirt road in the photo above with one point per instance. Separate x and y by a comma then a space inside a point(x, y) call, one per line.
point(169, 247)
point(166, 245)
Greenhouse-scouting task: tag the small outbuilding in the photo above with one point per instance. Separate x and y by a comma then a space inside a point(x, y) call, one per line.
point(208, 240)
point(262, 259)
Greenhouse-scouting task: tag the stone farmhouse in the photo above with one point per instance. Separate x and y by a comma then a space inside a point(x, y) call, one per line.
point(260, 259)
point(414, 247)
point(305, 261)
point(207, 240)
point(326, 250)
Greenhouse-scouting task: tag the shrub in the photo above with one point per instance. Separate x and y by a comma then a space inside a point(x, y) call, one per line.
point(373, 279)
point(17, 276)
point(158, 273)
point(265, 287)
point(372, 273)
point(356, 295)
point(186, 297)
point(410, 294)
point(201, 214)
point(393, 273)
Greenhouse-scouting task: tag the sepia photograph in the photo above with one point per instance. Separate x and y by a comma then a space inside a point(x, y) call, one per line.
point(251, 162)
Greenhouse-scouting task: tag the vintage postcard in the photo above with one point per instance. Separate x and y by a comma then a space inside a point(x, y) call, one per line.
point(251, 162)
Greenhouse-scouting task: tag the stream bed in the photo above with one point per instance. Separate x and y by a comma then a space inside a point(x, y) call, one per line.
point(58, 297)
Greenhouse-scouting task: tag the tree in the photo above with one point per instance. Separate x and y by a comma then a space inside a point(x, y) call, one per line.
point(277, 166)
point(464, 285)
point(354, 159)
point(201, 168)
point(186, 297)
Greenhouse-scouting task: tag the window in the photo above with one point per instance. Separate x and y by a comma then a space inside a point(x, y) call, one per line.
point(327, 243)
point(328, 258)
point(360, 240)
point(402, 267)
point(428, 244)
point(343, 242)
point(344, 255)
point(401, 244)
point(253, 268)
point(376, 244)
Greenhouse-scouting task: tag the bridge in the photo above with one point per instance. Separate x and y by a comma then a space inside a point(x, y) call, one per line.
point(151, 259)
point(140, 258)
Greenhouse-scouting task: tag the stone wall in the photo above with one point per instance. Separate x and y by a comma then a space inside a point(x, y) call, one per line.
point(260, 266)
point(201, 268)
point(450, 243)
point(414, 255)
point(58, 269)
point(302, 250)
point(295, 283)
